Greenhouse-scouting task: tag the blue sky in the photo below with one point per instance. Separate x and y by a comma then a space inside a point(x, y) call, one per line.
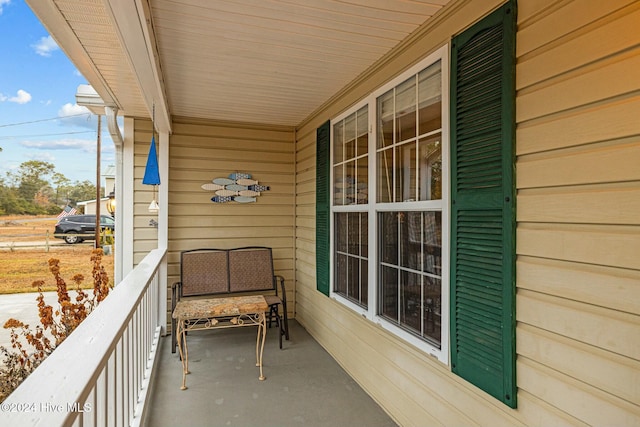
point(38, 84)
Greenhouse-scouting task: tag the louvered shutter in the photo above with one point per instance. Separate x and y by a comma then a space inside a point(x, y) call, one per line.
point(483, 204)
point(323, 196)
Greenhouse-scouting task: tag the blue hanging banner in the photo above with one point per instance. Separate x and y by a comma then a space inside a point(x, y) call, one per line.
point(151, 173)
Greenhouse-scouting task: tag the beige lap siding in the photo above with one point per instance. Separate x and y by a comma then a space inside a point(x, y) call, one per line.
point(578, 232)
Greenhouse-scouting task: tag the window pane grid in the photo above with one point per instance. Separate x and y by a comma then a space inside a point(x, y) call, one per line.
point(350, 254)
point(407, 154)
point(411, 170)
point(406, 114)
point(350, 159)
point(410, 269)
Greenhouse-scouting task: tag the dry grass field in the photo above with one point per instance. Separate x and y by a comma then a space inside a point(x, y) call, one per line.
point(20, 267)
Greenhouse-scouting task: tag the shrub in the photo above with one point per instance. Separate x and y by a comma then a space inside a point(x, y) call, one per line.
point(29, 348)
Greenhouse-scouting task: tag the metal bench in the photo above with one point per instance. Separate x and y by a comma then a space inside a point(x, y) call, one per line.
point(226, 272)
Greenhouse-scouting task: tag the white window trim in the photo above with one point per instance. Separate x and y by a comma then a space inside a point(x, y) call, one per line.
point(346, 208)
point(442, 353)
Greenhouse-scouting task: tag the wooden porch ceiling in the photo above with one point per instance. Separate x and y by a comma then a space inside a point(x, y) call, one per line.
point(259, 61)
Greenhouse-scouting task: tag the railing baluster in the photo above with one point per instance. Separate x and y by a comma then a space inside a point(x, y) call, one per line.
point(101, 396)
point(142, 344)
point(119, 386)
point(126, 375)
point(88, 415)
point(135, 354)
point(141, 338)
point(111, 390)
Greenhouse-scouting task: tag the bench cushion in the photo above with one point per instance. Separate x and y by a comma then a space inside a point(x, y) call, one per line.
point(250, 269)
point(204, 271)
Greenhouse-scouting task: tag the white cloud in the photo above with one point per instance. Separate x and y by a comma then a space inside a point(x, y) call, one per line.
point(69, 109)
point(3, 3)
point(85, 145)
point(43, 157)
point(76, 115)
point(81, 145)
point(11, 166)
point(22, 96)
point(45, 46)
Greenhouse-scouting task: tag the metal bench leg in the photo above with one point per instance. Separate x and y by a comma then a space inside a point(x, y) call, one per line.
point(174, 340)
point(286, 325)
point(280, 330)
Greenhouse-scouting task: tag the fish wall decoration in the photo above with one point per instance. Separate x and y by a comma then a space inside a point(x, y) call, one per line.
point(238, 187)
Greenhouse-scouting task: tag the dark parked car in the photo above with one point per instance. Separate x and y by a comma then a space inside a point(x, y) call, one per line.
point(76, 228)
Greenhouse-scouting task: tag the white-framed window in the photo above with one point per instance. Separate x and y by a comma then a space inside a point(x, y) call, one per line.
point(390, 214)
point(350, 190)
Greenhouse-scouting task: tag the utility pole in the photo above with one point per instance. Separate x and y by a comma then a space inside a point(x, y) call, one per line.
point(97, 236)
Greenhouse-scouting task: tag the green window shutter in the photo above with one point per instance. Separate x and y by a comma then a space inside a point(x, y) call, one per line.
point(323, 195)
point(483, 204)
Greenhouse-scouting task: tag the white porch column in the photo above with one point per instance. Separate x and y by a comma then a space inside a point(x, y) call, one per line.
point(125, 201)
point(163, 221)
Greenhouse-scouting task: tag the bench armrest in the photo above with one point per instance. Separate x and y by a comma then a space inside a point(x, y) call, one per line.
point(282, 293)
point(176, 294)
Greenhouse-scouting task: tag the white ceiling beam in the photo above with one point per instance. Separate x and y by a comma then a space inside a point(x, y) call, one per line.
point(133, 24)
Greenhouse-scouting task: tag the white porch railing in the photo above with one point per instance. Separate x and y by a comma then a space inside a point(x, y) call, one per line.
point(99, 376)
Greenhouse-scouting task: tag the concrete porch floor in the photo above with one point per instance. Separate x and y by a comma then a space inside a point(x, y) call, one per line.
point(304, 385)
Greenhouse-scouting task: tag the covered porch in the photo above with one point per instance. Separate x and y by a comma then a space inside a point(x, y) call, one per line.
point(546, 336)
point(117, 369)
point(223, 87)
point(304, 385)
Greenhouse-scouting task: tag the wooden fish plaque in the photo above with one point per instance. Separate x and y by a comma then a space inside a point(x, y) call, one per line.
point(224, 181)
point(212, 187)
point(238, 187)
point(242, 199)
